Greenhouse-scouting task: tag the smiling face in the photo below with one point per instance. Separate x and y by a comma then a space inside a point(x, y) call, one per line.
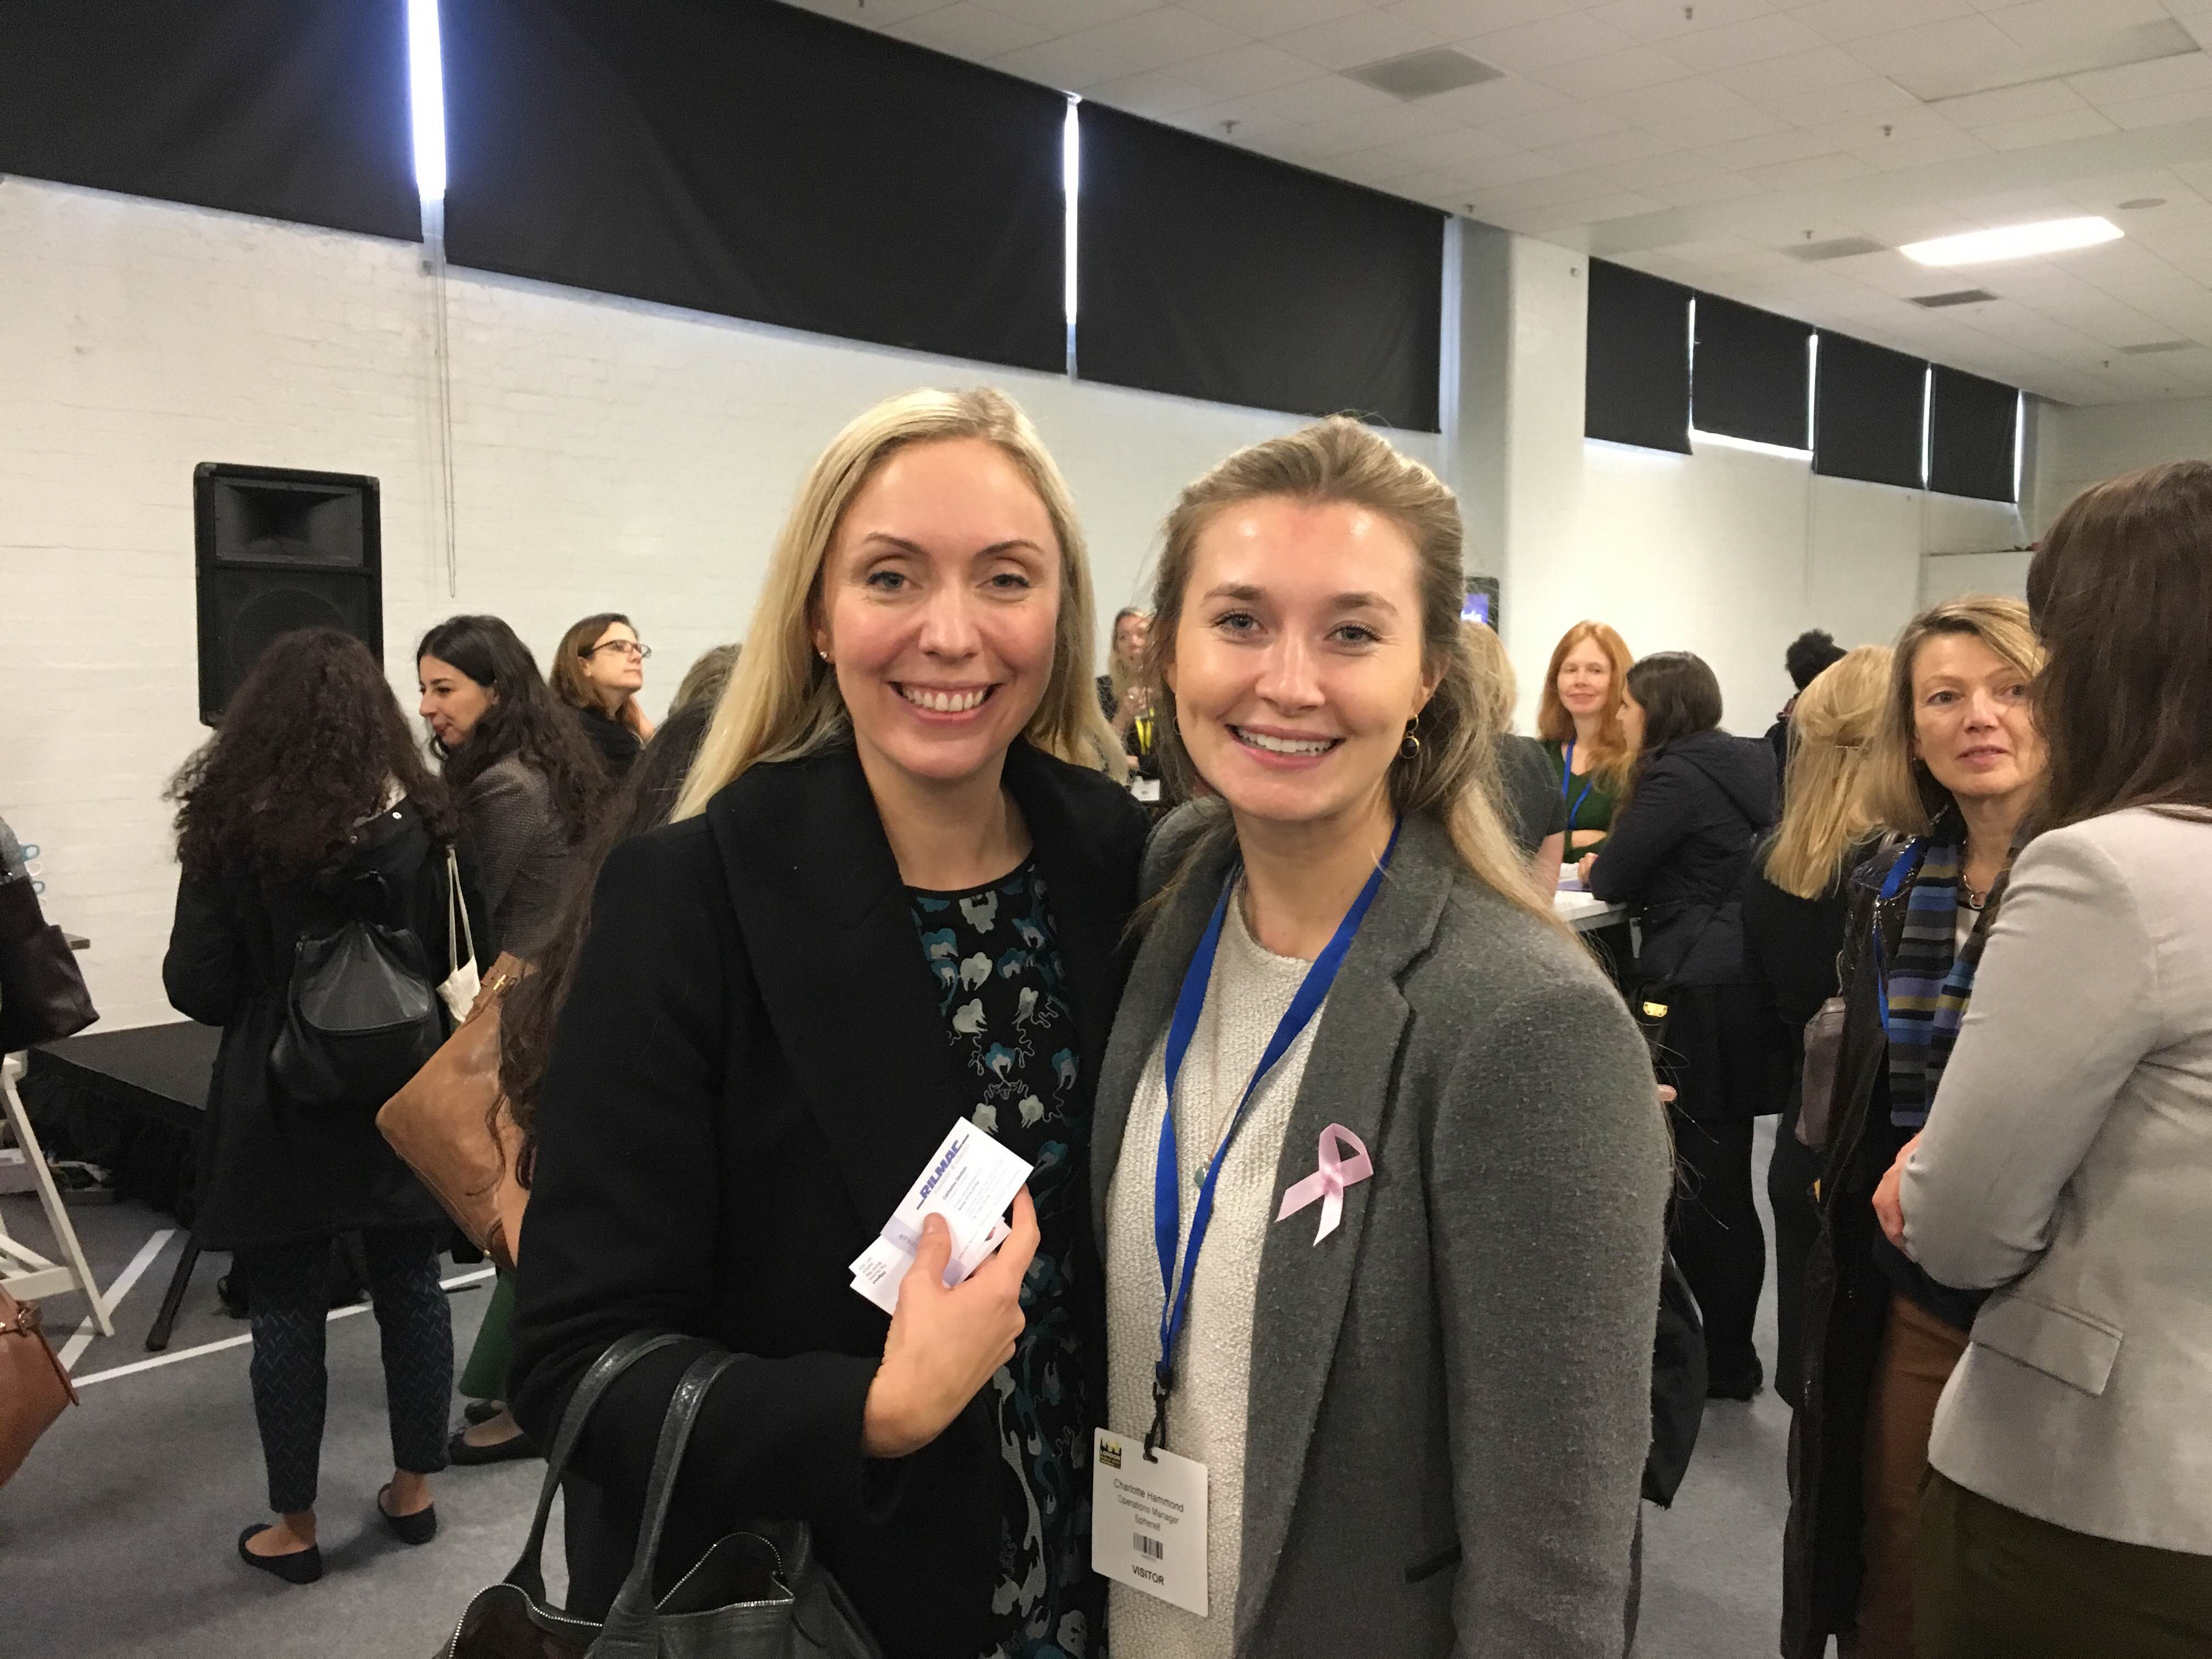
point(1129, 635)
point(616, 665)
point(453, 703)
point(1585, 678)
point(938, 604)
point(1972, 726)
point(1298, 657)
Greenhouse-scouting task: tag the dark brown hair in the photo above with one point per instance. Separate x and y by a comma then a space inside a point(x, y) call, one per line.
point(2121, 591)
point(310, 746)
point(566, 676)
point(531, 1010)
point(524, 718)
point(1678, 695)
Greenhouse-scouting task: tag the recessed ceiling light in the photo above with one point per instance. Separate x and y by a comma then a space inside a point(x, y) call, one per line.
point(1977, 247)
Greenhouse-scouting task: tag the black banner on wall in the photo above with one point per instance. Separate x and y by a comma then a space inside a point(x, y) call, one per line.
point(1636, 381)
point(1974, 425)
point(286, 108)
point(1747, 379)
point(1867, 412)
point(756, 160)
point(1210, 273)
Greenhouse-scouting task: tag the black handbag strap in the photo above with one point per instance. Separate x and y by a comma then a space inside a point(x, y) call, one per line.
point(631, 1615)
point(528, 1573)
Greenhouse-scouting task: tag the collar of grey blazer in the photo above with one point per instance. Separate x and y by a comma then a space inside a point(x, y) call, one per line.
point(1304, 1287)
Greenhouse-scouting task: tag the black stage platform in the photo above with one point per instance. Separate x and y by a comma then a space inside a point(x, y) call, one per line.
point(132, 1102)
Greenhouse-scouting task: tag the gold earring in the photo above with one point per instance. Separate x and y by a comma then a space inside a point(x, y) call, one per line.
point(1411, 746)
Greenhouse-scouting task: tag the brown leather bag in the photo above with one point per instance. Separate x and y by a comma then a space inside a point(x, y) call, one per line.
point(33, 1387)
point(440, 1123)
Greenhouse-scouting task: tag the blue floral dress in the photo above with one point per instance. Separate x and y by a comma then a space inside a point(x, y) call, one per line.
point(1006, 1014)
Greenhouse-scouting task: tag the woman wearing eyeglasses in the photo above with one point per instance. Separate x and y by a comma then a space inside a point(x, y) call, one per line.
point(598, 670)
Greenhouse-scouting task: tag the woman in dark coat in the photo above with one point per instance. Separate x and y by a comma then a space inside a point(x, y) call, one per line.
point(895, 898)
point(1699, 802)
point(310, 805)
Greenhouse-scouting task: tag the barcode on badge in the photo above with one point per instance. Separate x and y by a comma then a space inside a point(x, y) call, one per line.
point(1149, 1546)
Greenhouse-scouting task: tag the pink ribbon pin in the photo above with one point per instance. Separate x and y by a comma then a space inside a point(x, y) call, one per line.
point(1328, 1183)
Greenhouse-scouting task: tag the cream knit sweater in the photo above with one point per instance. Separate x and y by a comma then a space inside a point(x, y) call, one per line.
point(1250, 989)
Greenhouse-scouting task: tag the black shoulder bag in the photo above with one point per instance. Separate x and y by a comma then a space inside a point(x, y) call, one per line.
point(362, 1015)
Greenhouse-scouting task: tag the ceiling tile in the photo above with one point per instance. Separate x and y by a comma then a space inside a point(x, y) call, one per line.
point(1240, 70)
point(2057, 22)
point(1058, 17)
point(1544, 43)
point(1871, 95)
point(1264, 19)
point(2043, 130)
point(1326, 98)
point(1540, 129)
point(1642, 173)
point(1063, 63)
point(1153, 92)
point(1378, 170)
point(1753, 40)
point(1650, 107)
point(1522, 167)
point(1721, 187)
point(1594, 212)
point(1795, 74)
point(1793, 145)
point(1348, 42)
point(1957, 40)
point(1718, 126)
point(1870, 132)
point(1899, 153)
point(2161, 111)
point(1605, 150)
point(1855, 20)
point(1365, 129)
point(1540, 193)
point(1662, 20)
point(1461, 147)
point(1498, 101)
point(1812, 170)
point(1453, 18)
point(1981, 109)
point(967, 30)
point(880, 16)
point(1613, 73)
point(1156, 39)
point(2189, 73)
point(1253, 116)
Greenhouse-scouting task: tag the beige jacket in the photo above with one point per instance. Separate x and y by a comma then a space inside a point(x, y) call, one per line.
point(2069, 1160)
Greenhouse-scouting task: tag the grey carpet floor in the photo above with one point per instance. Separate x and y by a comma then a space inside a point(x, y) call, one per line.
point(115, 1538)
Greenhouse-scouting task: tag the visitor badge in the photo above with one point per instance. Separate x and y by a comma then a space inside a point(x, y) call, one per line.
point(1148, 1520)
point(1146, 790)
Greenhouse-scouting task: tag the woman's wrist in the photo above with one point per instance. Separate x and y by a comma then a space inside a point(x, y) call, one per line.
point(886, 1430)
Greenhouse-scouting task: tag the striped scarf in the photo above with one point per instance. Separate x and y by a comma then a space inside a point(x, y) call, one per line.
point(1931, 980)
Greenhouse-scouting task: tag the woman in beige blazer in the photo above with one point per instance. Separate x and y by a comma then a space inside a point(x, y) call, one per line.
point(2068, 1158)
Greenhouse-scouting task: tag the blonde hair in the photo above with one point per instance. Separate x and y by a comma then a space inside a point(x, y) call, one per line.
point(1449, 778)
point(1903, 794)
point(1826, 807)
point(1117, 675)
point(1611, 755)
point(1493, 677)
point(783, 701)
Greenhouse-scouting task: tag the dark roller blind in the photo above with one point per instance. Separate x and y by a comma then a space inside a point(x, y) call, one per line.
point(1748, 377)
point(1636, 383)
point(1974, 429)
point(1214, 273)
point(1866, 412)
point(293, 109)
point(754, 159)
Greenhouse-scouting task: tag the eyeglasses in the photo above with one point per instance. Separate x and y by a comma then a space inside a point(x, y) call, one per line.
point(628, 647)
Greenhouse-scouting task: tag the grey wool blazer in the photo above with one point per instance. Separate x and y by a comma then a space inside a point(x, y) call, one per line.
point(1451, 1396)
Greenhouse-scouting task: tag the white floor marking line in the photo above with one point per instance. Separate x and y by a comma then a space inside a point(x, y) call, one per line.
point(162, 1359)
point(73, 1350)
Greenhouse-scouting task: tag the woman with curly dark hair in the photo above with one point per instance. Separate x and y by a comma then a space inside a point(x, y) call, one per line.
point(308, 807)
point(530, 786)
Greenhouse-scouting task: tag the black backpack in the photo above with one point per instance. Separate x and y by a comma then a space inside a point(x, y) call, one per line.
point(362, 1014)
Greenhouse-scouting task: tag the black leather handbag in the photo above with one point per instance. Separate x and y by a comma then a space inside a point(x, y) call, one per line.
point(361, 1015)
point(759, 1594)
point(42, 994)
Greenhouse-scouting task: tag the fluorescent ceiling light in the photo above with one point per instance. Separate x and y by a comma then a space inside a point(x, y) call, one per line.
point(426, 89)
point(1977, 247)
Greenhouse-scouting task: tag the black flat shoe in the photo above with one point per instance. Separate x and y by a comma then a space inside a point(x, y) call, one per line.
point(419, 1527)
point(461, 1454)
point(482, 1411)
point(1736, 1385)
point(299, 1567)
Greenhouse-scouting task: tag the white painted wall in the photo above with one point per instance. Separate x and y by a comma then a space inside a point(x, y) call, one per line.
point(2082, 446)
point(608, 455)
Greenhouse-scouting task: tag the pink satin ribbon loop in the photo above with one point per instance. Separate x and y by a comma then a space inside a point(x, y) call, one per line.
point(1328, 1181)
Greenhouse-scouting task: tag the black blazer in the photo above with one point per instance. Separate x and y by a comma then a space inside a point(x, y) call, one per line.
point(750, 1072)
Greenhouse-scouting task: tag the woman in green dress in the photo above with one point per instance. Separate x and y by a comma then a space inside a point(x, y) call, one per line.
point(1579, 721)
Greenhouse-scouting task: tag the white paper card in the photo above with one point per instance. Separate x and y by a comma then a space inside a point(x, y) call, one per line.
point(970, 1181)
point(1148, 1520)
point(1146, 790)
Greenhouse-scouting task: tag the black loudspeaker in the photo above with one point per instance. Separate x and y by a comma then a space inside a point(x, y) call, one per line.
point(278, 550)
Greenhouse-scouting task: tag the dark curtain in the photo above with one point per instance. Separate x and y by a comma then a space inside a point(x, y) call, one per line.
point(1636, 381)
point(1209, 272)
point(1866, 412)
point(1973, 428)
point(293, 109)
point(1748, 378)
point(756, 160)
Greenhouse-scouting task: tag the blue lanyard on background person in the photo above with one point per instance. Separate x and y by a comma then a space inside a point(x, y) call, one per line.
point(1566, 777)
point(1167, 1173)
point(1907, 867)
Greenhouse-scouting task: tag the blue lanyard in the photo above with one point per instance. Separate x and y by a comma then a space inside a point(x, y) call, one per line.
point(1167, 1174)
point(1907, 866)
point(1566, 777)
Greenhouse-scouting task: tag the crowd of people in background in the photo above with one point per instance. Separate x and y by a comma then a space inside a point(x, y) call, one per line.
point(1281, 878)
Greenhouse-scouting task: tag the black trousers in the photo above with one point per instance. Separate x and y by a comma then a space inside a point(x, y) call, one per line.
point(288, 1296)
point(1721, 1055)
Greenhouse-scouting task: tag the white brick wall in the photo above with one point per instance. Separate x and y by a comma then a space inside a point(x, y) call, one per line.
point(608, 455)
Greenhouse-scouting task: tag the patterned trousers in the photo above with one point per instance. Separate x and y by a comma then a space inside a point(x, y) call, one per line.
point(289, 1295)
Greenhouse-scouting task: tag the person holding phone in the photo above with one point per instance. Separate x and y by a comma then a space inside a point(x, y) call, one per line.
point(893, 898)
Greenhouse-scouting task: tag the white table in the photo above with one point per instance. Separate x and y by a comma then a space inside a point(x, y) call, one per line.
point(1583, 913)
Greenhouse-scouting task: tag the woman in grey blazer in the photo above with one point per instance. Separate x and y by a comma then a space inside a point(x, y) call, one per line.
point(1410, 1193)
point(2068, 1163)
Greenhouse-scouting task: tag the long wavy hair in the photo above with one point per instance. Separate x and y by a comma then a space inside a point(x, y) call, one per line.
point(1118, 673)
point(567, 677)
point(310, 748)
point(783, 702)
point(1611, 753)
point(1902, 792)
point(2121, 593)
point(1451, 777)
point(1828, 808)
point(531, 1010)
point(524, 718)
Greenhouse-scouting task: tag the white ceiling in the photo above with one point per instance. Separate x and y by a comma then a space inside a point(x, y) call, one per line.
point(1696, 138)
